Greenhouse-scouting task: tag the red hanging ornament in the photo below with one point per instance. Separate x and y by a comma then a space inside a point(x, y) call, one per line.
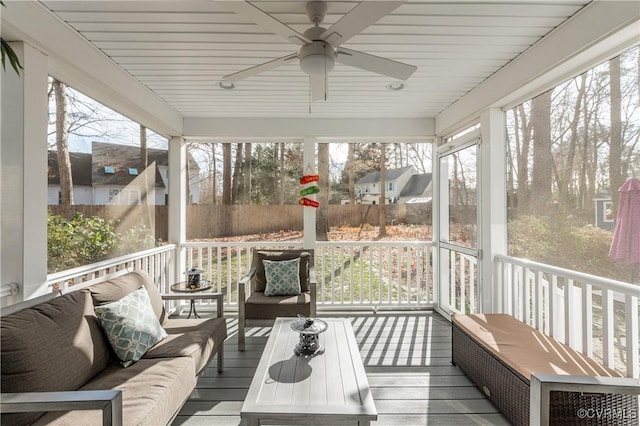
point(308, 179)
point(304, 201)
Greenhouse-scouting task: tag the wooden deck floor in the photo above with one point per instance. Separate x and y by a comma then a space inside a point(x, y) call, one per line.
point(407, 358)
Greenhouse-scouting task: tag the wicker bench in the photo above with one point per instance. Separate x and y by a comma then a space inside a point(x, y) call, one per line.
point(499, 354)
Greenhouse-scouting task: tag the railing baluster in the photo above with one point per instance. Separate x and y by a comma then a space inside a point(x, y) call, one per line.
point(587, 320)
point(632, 337)
point(608, 330)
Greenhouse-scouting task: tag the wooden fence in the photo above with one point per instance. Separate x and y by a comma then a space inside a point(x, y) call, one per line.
point(207, 221)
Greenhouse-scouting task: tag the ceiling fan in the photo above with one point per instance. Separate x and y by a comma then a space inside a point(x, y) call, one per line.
point(321, 46)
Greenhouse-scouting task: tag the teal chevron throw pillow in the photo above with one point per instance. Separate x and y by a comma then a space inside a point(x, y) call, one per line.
point(282, 276)
point(131, 325)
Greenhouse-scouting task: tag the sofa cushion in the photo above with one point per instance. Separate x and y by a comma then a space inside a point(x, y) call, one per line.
point(153, 390)
point(260, 282)
point(283, 277)
point(131, 325)
point(53, 346)
point(195, 338)
point(117, 288)
point(259, 306)
point(527, 350)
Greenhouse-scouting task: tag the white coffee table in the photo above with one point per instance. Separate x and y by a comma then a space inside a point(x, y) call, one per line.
point(326, 389)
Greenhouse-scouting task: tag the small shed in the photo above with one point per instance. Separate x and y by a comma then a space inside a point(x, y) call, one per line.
point(604, 216)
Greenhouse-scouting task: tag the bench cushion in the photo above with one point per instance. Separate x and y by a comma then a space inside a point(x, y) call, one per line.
point(195, 338)
point(153, 390)
point(259, 306)
point(117, 288)
point(527, 350)
point(71, 348)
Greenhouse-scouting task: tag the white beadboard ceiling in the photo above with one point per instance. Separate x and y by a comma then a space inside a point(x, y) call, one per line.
point(181, 49)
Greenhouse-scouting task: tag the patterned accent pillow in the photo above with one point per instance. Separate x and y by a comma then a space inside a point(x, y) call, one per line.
point(283, 277)
point(131, 325)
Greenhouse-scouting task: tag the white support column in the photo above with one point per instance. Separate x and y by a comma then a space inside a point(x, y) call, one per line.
point(178, 200)
point(23, 173)
point(493, 202)
point(309, 166)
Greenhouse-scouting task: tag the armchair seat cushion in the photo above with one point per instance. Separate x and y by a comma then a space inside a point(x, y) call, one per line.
point(194, 338)
point(259, 306)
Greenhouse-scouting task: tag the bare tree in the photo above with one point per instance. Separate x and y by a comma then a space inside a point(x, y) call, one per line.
point(541, 174)
point(62, 144)
point(226, 173)
point(615, 141)
point(382, 209)
point(247, 173)
point(322, 215)
point(351, 173)
point(236, 187)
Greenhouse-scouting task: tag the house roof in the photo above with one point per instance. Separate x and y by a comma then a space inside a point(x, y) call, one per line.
point(88, 169)
point(122, 158)
point(416, 185)
point(80, 168)
point(389, 175)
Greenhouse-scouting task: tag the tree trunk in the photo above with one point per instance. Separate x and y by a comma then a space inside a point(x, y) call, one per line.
point(226, 174)
point(62, 144)
point(322, 213)
point(566, 176)
point(615, 141)
point(542, 172)
point(282, 174)
point(351, 174)
point(236, 187)
point(382, 209)
point(276, 172)
point(247, 173)
point(214, 175)
point(523, 159)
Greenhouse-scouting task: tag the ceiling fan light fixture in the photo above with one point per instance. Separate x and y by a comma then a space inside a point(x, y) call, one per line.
point(396, 85)
point(317, 58)
point(227, 85)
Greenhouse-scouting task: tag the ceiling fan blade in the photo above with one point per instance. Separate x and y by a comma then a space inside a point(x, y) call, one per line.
point(318, 86)
point(384, 66)
point(249, 72)
point(360, 17)
point(268, 22)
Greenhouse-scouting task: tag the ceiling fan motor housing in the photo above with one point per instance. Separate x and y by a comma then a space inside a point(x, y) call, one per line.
point(317, 57)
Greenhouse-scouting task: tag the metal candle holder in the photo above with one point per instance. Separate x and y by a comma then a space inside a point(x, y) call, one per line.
point(309, 330)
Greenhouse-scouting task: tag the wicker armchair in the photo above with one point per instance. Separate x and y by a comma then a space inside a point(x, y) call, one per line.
point(254, 305)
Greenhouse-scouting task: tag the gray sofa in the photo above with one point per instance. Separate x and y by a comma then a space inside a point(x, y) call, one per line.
point(59, 346)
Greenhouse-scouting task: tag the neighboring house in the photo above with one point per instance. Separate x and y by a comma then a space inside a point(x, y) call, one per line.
point(604, 218)
point(111, 175)
point(417, 190)
point(368, 187)
point(80, 173)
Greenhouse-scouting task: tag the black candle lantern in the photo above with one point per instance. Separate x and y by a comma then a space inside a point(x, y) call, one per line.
point(193, 277)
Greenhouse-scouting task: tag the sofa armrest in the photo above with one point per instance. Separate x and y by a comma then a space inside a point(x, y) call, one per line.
point(542, 385)
point(109, 401)
point(219, 297)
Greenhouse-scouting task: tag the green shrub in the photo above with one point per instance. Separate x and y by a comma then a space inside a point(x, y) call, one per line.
point(77, 241)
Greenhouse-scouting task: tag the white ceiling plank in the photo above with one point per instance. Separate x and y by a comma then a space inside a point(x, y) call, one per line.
point(180, 49)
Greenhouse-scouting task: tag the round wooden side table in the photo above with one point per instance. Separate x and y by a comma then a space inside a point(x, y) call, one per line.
point(183, 287)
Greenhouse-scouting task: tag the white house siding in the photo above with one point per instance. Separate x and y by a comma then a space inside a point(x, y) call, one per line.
point(82, 195)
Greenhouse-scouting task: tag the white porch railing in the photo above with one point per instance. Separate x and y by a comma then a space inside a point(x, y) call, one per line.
point(594, 315)
point(349, 273)
point(159, 262)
